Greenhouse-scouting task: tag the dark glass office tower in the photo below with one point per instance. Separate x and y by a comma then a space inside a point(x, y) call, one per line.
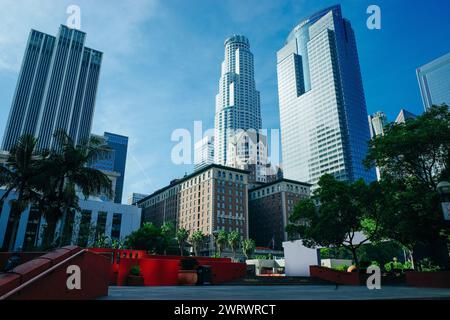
point(119, 144)
point(56, 89)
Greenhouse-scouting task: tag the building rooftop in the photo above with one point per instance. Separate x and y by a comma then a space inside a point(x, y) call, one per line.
point(175, 182)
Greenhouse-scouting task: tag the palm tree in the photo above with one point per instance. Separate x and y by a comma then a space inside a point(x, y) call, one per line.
point(167, 233)
point(221, 241)
point(67, 169)
point(197, 239)
point(19, 175)
point(181, 236)
point(233, 241)
point(248, 247)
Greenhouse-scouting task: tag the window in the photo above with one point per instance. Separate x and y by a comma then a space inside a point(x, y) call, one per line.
point(101, 224)
point(116, 224)
point(85, 226)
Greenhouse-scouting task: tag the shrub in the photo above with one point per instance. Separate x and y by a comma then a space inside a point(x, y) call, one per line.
point(135, 270)
point(427, 265)
point(341, 267)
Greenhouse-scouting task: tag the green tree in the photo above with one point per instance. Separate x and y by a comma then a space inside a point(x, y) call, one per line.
point(168, 234)
point(197, 240)
point(248, 247)
point(221, 241)
point(344, 210)
point(20, 175)
point(234, 239)
point(148, 237)
point(66, 168)
point(414, 156)
point(182, 236)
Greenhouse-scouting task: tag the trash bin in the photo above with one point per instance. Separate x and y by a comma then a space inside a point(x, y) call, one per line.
point(203, 275)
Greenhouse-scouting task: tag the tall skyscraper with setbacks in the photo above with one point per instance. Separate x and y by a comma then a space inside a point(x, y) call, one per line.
point(237, 103)
point(323, 114)
point(56, 89)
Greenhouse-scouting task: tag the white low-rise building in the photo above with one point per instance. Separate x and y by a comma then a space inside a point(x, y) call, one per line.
point(107, 218)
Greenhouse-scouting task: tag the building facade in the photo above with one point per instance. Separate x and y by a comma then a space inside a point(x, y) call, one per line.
point(404, 115)
point(377, 121)
point(204, 152)
point(209, 200)
point(434, 81)
point(119, 144)
point(238, 101)
point(270, 206)
point(96, 218)
point(323, 112)
point(56, 89)
point(135, 197)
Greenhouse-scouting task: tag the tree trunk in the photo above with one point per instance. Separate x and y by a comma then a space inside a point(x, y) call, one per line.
point(62, 228)
point(181, 250)
point(195, 251)
point(355, 256)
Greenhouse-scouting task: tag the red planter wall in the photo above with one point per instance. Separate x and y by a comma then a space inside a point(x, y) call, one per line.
point(428, 279)
point(53, 286)
point(335, 276)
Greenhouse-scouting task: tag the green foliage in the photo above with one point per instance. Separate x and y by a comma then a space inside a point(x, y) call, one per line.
point(181, 236)
point(221, 241)
point(414, 157)
point(342, 267)
point(148, 238)
point(135, 270)
point(234, 239)
point(261, 257)
point(248, 247)
point(345, 209)
point(197, 240)
point(427, 265)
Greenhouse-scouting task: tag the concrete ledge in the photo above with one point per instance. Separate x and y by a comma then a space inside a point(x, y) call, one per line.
point(8, 281)
point(32, 268)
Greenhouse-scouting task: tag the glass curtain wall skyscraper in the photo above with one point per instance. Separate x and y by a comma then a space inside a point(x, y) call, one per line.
point(323, 116)
point(434, 81)
point(56, 89)
point(238, 102)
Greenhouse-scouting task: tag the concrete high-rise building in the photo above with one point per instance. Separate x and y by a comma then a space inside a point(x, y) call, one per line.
point(238, 102)
point(323, 112)
point(434, 81)
point(204, 152)
point(135, 197)
point(56, 89)
point(209, 200)
point(269, 209)
point(377, 121)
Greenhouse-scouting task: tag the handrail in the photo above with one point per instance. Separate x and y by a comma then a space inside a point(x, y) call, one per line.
point(39, 276)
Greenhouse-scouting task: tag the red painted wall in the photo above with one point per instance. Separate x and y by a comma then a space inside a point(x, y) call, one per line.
point(94, 277)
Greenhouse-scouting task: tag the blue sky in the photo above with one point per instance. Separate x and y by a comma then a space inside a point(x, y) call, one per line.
point(162, 61)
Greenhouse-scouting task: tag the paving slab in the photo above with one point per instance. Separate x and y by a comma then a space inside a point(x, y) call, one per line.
point(274, 292)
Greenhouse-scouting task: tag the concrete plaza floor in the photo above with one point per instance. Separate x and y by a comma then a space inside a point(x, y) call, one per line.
point(274, 292)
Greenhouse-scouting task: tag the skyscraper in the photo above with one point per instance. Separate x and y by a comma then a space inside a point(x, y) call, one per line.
point(377, 121)
point(204, 152)
point(237, 103)
point(56, 89)
point(119, 144)
point(323, 114)
point(404, 115)
point(434, 81)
